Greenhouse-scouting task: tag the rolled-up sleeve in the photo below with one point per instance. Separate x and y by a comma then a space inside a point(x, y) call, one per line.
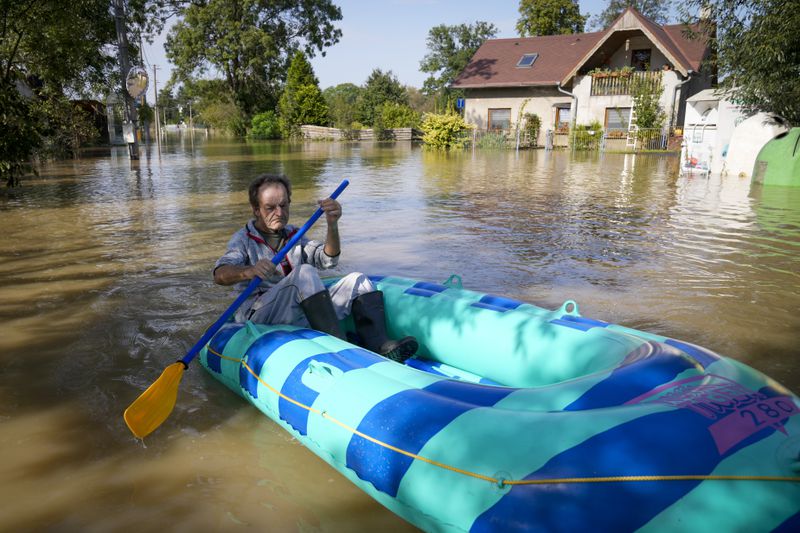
point(236, 254)
point(316, 256)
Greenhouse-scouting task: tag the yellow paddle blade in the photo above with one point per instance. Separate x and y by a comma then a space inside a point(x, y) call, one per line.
point(155, 404)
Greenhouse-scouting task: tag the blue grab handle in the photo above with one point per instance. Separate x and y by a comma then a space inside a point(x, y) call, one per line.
point(215, 327)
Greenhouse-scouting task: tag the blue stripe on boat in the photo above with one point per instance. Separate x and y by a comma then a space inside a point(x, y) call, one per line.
point(345, 360)
point(491, 307)
point(376, 279)
point(630, 381)
point(667, 443)
point(498, 301)
point(425, 289)
point(408, 420)
point(262, 348)
point(702, 356)
point(791, 525)
point(218, 343)
point(420, 292)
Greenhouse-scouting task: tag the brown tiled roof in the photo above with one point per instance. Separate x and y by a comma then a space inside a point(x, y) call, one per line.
point(694, 50)
point(495, 62)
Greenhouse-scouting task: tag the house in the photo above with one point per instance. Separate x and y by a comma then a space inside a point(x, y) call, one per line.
point(581, 78)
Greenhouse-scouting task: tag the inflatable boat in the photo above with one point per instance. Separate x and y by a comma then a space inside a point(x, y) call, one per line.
point(514, 417)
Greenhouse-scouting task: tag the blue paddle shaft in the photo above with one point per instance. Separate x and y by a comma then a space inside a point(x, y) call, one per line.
point(215, 327)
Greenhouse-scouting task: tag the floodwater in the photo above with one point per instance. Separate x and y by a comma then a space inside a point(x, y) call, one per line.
point(105, 279)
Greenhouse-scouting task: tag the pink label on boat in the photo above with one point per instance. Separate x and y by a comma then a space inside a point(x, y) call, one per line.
point(743, 422)
point(738, 411)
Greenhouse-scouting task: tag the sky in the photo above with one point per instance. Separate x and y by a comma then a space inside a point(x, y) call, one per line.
point(386, 34)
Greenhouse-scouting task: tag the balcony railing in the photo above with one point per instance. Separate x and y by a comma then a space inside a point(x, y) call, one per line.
point(617, 83)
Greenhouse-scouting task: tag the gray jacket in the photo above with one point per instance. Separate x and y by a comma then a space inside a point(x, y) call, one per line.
point(246, 248)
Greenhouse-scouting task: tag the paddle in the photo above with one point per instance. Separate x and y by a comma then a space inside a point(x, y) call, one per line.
point(155, 404)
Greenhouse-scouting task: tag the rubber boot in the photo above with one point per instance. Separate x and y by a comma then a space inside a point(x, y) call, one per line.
point(319, 311)
point(370, 322)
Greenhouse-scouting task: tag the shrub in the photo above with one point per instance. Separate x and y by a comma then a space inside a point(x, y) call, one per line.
point(265, 126)
point(444, 131)
point(492, 140)
point(646, 103)
point(587, 136)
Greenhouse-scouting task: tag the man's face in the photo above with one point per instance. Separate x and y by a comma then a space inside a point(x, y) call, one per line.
point(273, 207)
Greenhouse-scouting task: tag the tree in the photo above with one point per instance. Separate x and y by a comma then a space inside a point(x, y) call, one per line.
point(302, 101)
point(655, 10)
point(50, 53)
point(757, 51)
point(395, 115)
point(549, 17)
point(380, 87)
point(251, 42)
point(450, 49)
point(342, 103)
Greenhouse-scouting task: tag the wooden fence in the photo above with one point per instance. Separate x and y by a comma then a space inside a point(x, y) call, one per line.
point(336, 134)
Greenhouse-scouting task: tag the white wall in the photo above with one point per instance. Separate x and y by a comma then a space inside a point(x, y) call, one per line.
point(594, 107)
point(542, 101)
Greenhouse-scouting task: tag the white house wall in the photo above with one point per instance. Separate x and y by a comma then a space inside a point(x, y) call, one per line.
point(592, 108)
point(542, 101)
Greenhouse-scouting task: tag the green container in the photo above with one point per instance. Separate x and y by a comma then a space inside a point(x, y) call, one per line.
point(778, 162)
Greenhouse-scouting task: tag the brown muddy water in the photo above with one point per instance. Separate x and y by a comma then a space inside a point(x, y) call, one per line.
point(105, 278)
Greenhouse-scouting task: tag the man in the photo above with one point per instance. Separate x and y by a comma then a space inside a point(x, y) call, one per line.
point(293, 293)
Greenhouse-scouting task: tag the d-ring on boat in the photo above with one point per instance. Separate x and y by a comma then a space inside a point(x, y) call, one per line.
point(514, 417)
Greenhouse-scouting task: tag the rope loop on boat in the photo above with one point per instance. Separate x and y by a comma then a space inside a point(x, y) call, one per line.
point(498, 481)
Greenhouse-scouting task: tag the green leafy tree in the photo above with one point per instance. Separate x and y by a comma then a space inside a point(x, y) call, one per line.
point(265, 125)
point(342, 103)
point(419, 101)
point(757, 51)
point(655, 10)
point(212, 105)
point(251, 42)
point(379, 88)
point(302, 101)
point(647, 110)
point(450, 49)
point(396, 115)
point(549, 17)
point(50, 53)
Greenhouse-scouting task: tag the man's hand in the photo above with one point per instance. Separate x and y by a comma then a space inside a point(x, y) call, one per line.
point(230, 274)
point(264, 269)
point(332, 209)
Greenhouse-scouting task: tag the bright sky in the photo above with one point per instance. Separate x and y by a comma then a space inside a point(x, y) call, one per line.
point(389, 35)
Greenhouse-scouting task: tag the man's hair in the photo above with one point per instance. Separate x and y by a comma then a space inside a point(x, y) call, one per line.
point(271, 179)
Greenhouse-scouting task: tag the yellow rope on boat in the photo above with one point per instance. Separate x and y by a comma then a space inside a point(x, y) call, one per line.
point(500, 481)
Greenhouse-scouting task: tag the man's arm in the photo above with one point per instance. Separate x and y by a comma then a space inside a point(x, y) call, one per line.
point(230, 274)
point(333, 212)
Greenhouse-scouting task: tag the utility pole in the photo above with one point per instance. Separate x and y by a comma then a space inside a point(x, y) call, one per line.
point(130, 108)
point(158, 121)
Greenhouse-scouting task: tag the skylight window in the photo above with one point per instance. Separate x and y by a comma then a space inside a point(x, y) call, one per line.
point(526, 61)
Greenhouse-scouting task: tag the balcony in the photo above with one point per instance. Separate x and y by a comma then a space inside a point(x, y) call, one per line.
point(616, 83)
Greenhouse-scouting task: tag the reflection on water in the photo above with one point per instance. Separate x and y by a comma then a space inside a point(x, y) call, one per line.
point(105, 280)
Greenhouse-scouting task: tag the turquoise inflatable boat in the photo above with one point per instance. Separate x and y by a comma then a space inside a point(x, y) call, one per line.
point(514, 417)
